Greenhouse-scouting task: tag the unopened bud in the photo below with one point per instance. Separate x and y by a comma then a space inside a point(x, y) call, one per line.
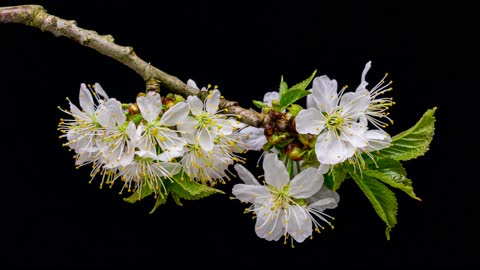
point(294, 152)
point(133, 109)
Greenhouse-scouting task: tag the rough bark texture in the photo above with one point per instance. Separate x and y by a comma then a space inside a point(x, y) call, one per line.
point(36, 16)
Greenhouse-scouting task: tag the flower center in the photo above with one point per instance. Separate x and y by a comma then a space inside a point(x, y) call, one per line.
point(334, 121)
point(204, 119)
point(282, 199)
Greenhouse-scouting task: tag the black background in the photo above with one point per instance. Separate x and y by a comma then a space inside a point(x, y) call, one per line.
point(52, 217)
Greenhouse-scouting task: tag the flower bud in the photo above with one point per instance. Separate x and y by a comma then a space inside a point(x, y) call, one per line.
point(308, 140)
point(294, 152)
point(133, 109)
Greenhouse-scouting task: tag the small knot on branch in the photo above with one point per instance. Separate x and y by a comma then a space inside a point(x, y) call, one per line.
point(153, 85)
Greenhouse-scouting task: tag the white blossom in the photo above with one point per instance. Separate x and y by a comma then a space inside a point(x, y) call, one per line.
point(285, 207)
point(84, 131)
point(335, 119)
point(207, 123)
point(157, 132)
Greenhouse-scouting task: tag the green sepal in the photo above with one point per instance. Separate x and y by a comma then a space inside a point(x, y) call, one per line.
point(335, 177)
point(136, 119)
point(283, 86)
point(259, 104)
point(295, 109)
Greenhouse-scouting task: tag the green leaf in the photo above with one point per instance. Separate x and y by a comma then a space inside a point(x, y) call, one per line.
point(303, 85)
point(291, 96)
point(413, 142)
point(392, 173)
point(191, 190)
point(382, 199)
point(139, 194)
point(283, 86)
point(259, 104)
point(161, 199)
point(335, 177)
point(176, 199)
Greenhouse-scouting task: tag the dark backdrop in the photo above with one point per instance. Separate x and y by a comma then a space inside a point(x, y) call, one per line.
point(53, 217)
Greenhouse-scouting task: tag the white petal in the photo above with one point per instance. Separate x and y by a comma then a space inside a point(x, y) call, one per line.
point(223, 127)
point(187, 125)
point(324, 199)
point(270, 222)
point(332, 150)
point(312, 102)
point(170, 153)
point(115, 109)
point(355, 104)
point(246, 176)
point(322, 204)
point(276, 174)
point(205, 139)
point(324, 91)
point(86, 100)
point(131, 131)
point(249, 193)
point(324, 168)
point(309, 121)
point(150, 106)
point(299, 223)
point(195, 105)
point(168, 139)
point(269, 96)
point(77, 113)
point(365, 70)
point(146, 154)
point(104, 117)
point(212, 102)
point(254, 138)
point(175, 114)
point(377, 139)
point(192, 83)
point(166, 169)
point(354, 134)
point(363, 82)
point(99, 90)
point(306, 183)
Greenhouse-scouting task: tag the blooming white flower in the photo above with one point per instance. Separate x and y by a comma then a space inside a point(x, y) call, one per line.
point(378, 106)
point(157, 132)
point(116, 144)
point(285, 207)
point(206, 123)
point(335, 119)
point(84, 130)
point(211, 166)
point(147, 170)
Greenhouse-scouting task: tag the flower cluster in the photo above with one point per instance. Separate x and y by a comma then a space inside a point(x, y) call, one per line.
point(333, 128)
point(180, 148)
point(146, 143)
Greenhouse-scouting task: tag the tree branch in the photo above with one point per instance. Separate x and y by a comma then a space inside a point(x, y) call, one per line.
point(36, 16)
